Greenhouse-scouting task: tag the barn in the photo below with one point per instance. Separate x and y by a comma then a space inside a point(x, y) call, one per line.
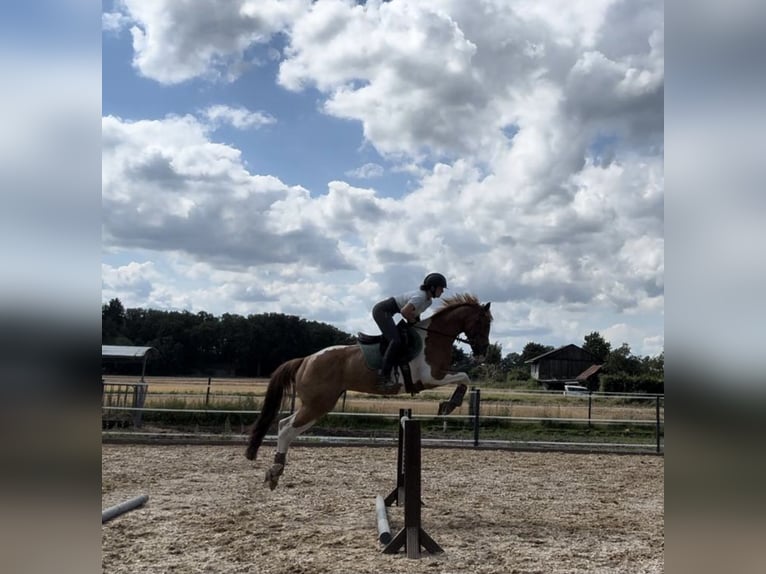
point(565, 364)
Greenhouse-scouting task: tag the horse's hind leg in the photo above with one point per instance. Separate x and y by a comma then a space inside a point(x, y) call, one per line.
point(286, 434)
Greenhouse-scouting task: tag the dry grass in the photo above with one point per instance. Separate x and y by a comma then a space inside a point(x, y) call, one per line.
point(495, 402)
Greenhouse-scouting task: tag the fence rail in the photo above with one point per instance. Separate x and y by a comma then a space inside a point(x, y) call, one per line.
point(483, 427)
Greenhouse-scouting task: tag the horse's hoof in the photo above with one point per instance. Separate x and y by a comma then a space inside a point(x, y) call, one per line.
point(446, 407)
point(250, 453)
point(273, 474)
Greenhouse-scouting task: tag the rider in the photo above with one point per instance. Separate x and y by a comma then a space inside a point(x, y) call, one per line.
point(410, 305)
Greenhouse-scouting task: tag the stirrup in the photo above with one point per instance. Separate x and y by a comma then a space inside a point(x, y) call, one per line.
point(387, 383)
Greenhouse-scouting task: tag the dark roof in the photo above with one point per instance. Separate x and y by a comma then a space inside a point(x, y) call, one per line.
point(124, 351)
point(590, 371)
point(553, 352)
point(139, 354)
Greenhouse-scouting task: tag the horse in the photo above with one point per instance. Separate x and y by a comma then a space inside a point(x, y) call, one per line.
point(321, 378)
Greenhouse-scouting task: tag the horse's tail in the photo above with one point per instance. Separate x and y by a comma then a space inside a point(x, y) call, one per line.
point(281, 379)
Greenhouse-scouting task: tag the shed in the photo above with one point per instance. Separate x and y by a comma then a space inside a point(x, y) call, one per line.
point(561, 365)
point(128, 353)
point(589, 375)
point(122, 402)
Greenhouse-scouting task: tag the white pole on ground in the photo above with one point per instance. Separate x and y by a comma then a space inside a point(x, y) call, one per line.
point(384, 531)
point(123, 507)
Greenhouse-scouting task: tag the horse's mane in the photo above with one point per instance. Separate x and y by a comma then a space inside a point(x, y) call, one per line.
point(457, 300)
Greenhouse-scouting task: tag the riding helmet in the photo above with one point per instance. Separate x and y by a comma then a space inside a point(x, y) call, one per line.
point(434, 280)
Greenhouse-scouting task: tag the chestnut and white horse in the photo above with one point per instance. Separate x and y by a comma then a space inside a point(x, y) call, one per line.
point(320, 379)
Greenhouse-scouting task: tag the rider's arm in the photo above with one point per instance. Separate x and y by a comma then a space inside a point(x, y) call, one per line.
point(408, 312)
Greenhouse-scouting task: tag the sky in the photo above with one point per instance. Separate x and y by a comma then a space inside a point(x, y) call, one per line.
point(312, 158)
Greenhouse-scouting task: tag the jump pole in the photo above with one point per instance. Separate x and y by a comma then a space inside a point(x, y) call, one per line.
point(412, 536)
point(384, 530)
point(397, 494)
point(123, 507)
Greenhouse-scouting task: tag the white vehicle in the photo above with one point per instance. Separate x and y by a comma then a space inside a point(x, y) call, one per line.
point(573, 390)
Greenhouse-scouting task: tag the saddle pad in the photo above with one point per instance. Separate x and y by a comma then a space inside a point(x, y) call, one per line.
point(374, 358)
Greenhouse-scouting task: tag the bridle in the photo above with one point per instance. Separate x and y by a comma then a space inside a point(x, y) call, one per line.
point(435, 332)
point(476, 348)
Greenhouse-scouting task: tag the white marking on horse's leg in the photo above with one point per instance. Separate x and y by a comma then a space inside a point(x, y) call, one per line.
point(287, 432)
point(452, 379)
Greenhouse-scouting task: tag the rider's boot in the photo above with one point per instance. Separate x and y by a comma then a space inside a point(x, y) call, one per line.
point(385, 382)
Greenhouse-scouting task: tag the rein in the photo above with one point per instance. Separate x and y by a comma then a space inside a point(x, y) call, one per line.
point(429, 330)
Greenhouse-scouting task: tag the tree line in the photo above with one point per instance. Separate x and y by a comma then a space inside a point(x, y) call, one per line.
point(201, 344)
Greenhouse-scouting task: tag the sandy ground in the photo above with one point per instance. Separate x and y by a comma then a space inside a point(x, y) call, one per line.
point(491, 511)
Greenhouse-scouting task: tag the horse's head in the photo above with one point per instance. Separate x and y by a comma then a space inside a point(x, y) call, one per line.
point(477, 331)
point(463, 313)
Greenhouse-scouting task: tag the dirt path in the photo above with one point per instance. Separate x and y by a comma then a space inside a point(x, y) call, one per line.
point(491, 511)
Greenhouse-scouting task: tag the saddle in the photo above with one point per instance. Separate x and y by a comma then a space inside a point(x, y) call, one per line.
point(374, 346)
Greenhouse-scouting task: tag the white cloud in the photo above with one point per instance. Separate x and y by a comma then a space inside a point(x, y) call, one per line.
point(115, 21)
point(133, 281)
point(448, 78)
point(166, 187)
point(367, 171)
point(174, 43)
point(239, 117)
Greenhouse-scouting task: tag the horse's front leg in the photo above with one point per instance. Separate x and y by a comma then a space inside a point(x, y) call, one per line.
point(459, 379)
point(446, 407)
point(286, 435)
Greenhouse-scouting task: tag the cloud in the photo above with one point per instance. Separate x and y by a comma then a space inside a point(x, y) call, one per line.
point(115, 22)
point(173, 43)
point(166, 187)
point(239, 117)
point(451, 79)
point(131, 281)
point(367, 171)
point(435, 79)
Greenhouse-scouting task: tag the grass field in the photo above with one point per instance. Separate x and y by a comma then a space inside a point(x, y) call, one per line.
point(247, 394)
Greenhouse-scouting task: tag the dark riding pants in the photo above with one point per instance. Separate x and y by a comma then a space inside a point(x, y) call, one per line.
point(383, 313)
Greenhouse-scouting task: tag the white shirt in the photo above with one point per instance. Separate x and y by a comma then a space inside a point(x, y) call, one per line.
point(420, 300)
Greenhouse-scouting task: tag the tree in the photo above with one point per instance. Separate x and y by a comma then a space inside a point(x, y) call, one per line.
point(112, 322)
point(514, 368)
point(597, 346)
point(655, 366)
point(622, 361)
point(460, 360)
point(532, 350)
point(494, 354)
point(510, 361)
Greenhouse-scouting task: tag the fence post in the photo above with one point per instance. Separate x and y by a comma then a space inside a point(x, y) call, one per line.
point(657, 413)
point(476, 394)
point(139, 398)
point(590, 402)
point(207, 395)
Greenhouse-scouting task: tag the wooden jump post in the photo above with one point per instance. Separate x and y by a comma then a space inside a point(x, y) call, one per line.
point(407, 492)
point(123, 507)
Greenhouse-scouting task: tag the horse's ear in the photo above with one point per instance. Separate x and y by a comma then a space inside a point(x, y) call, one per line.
point(486, 307)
